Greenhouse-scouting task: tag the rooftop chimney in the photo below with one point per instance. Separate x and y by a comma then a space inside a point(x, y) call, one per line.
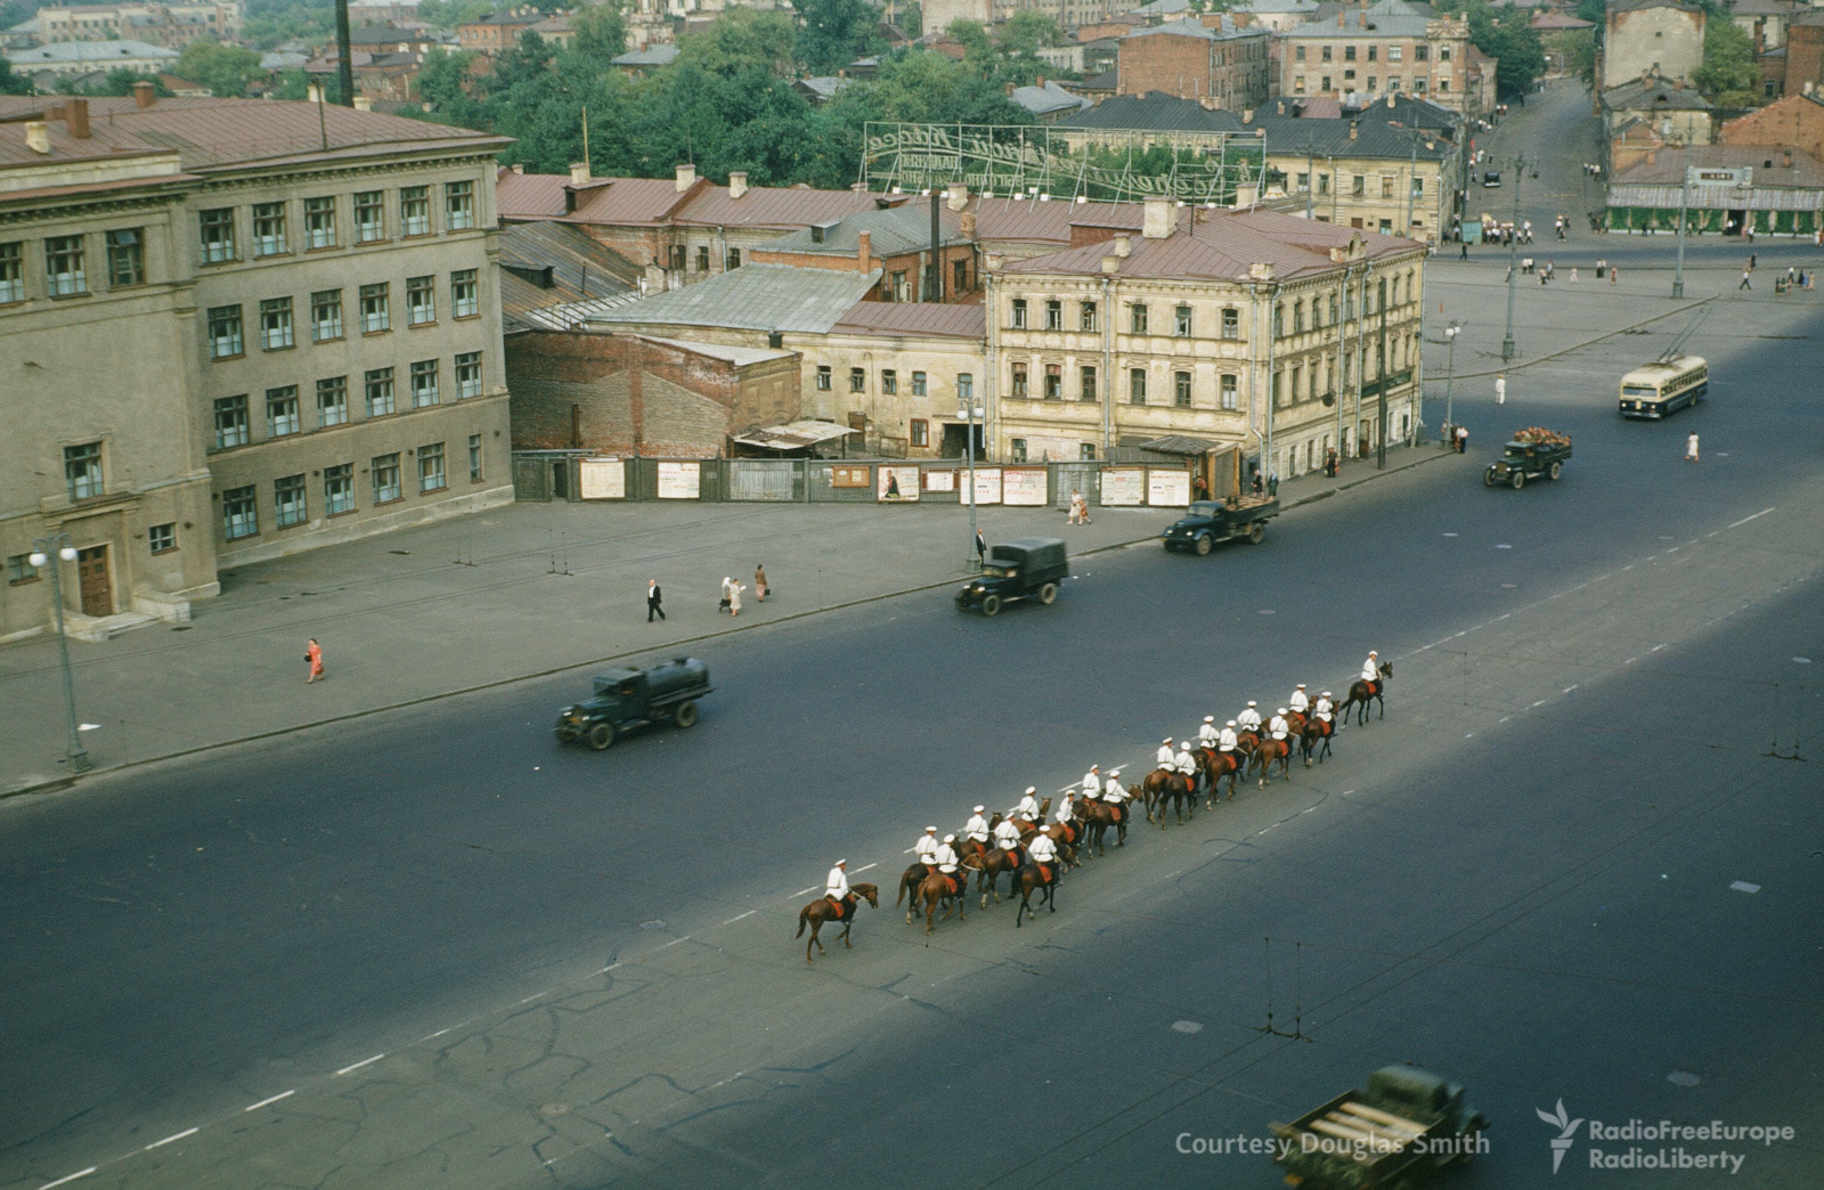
point(1157, 223)
point(579, 173)
point(1392, 96)
point(957, 196)
point(1786, 158)
point(364, 103)
point(687, 177)
point(38, 136)
point(76, 118)
point(1247, 115)
point(864, 251)
point(519, 167)
point(966, 225)
point(1282, 107)
point(1111, 264)
point(1340, 17)
point(144, 93)
point(1124, 246)
point(737, 183)
point(1354, 128)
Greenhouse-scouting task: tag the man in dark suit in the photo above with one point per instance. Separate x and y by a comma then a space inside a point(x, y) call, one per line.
point(654, 600)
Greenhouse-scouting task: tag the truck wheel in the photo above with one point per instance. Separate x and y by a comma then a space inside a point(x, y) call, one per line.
point(1257, 532)
point(1048, 593)
point(1517, 480)
point(991, 605)
point(1488, 478)
point(1557, 470)
point(601, 736)
point(1204, 545)
point(686, 714)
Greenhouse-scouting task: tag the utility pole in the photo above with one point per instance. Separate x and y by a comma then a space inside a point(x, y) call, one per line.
point(1508, 351)
point(1380, 380)
point(1684, 199)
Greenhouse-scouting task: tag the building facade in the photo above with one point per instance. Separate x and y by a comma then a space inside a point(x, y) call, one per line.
point(1390, 47)
point(170, 25)
point(1658, 37)
point(1220, 61)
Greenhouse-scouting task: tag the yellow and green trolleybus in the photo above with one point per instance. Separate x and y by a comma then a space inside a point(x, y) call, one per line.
point(1665, 386)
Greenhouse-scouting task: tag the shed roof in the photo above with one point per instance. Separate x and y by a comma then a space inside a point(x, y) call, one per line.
point(941, 319)
point(1154, 111)
point(769, 297)
point(893, 232)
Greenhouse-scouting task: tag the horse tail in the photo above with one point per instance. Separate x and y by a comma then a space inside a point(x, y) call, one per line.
point(804, 915)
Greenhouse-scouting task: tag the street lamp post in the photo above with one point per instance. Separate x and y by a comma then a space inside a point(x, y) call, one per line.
point(1684, 199)
point(1450, 374)
point(969, 410)
point(56, 549)
point(1508, 350)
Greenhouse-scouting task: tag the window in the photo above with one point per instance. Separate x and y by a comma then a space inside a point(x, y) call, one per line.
point(965, 386)
point(1386, 227)
point(858, 380)
point(1304, 180)
point(1054, 315)
point(378, 384)
point(320, 222)
point(325, 315)
point(1393, 83)
point(282, 411)
point(415, 210)
point(823, 378)
point(1086, 451)
point(385, 472)
point(1418, 84)
point(1298, 53)
point(677, 257)
point(1317, 312)
point(1358, 186)
point(1298, 374)
point(1278, 384)
point(1231, 322)
point(126, 258)
point(1136, 386)
point(430, 468)
point(288, 504)
point(732, 259)
point(1016, 447)
point(240, 513)
point(959, 276)
point(1181, 389)
point(1443, 56)
point(376, 310)
point(424, 383)
point(1181, 322)
point(889, 381)
point(1326, 81)
point(231, 421)
point(468, 374)
point(474, 458)
point(370, 216)
point(1019, 313)
point(1020, 380)
point(1333, 309)
point(216, 234)
point(1279, 320)
point(1298, 316)
point(224, 332)
point(1298, 85)
point(19, 569)
point(1229, 394)
point(465, 294)
point(1086, 383)
point(12, 272)
point(1327, 56)
point(1054, 382)
point(702, 258)
point(1086, 316)
point(901, 289)
point(82, 470)
point(332, 401)
point(918, 384)
point(421, 300)
point(1348, 53)
point(1443, 83)
point(268, 228)
point(162, 538)
point(1394, 52)
point(458, 205)
point(919, 432)
point(1420, 53)
point(338, 489)
point(63, 266)
point(1137, 318)
point(275, 324)
point(1386, 185)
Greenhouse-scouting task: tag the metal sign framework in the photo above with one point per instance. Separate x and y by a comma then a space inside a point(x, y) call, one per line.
point(1111, 165)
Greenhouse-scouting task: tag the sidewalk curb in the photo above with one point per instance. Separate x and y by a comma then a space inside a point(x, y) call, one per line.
point(68, 780)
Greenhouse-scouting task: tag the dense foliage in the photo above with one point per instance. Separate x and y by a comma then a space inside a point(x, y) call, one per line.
point(224, 69)
point(1505, 35)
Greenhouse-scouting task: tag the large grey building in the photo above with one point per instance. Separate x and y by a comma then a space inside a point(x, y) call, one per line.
point(234, 329)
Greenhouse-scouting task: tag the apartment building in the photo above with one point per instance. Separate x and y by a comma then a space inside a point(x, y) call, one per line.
point(1392, 46)
point(1214, 59)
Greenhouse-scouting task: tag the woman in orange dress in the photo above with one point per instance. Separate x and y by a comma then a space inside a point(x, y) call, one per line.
point(313, 653)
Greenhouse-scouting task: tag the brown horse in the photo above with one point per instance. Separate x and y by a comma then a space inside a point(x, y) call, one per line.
point(1181, 791)
point(998, 860)
point(1066, 835)
point(909, 880)
point(1029, 880)
point(1271, 752)
point(950, 891)
point(1361, 694)
point(1315, 739)
point(1245, 743)
point(1099, 817)
point(1219, 766)
point(821, 910)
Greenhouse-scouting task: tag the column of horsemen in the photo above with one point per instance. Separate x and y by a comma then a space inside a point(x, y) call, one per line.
point(1036, 853)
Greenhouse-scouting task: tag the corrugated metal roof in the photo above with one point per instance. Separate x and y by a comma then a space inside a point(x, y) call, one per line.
point(1767, 163)
point(774, 207)
point(892, 232)
point(1030, 220)
point(580, 268)
point(1192, 27)
point(571, 315)
point(915, 318)
point(739, 356)
point(795, 435)
point(98, 53)
point(768, 297)
point(1652, 95)
point(1288, 134)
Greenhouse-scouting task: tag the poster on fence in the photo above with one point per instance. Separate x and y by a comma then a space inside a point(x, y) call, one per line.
point(987, 485)
point(603, 479)
point(896, 484)
point(1024, 485)
point(848, 475)
point(1123, 486)
point(679, 481)
point(1168, 487)
point(940, 481)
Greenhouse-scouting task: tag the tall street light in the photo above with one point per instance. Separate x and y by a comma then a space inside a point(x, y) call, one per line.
point(56, 549)
point(1508, 350)
point(1450, 372)
point(970, 410)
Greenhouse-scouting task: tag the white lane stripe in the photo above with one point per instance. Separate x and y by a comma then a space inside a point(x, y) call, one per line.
point(535, 996)
point(175, 1136)
point(1746, 519)
point(82, 1173)
point(865, 867)
point(276, 1098)
point(731, 921)
point(674, 942)
point(1540, 703)
point(359, 1065)
point(1569, 688)
point(1656, 648)
point(1504, 719)
point(802, 891)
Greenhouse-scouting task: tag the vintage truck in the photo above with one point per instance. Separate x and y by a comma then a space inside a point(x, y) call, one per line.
point(1405, 1123)
point(631, 697)
point(1207, 522)
point(1530, 453)
point(1027, 568)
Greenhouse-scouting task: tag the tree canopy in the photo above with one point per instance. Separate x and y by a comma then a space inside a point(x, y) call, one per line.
point(224, 69)
point(1729, 76)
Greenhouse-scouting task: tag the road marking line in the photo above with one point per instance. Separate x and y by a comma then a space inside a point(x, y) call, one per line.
point(1540, 703)
point(534, 996)
point(1347, 792)
point(175, 1136)
point(802, 891)
point(276, 1098)
point(1504, 719)
point(731, 921)
point(603, 971)
point(1630, 661)
point(1746, 519)
point(1469, 735)
point(674, 942)
point(1309, 810)
point(1656, 648)
point(865, 867)
point(83, 1173)
point(1569, 688)
point(1674, 549)
point(359, 1065)
point(1744, 887)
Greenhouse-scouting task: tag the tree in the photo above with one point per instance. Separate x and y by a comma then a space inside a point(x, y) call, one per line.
point(1728, 77)
point(13, 84)
point(739, 39)
point(835, 33)
point(224, 69)
point(120, 80)
point(601, 33)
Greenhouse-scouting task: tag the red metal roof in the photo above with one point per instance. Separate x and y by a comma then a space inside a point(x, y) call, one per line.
point(915, 318)
point(773, 207)
point(1030, 219)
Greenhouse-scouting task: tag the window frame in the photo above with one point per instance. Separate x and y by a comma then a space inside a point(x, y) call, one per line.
point(221, 249)
point(381, 321)
point(424, 382)
point(316, 216)
point(231, 422)
point(273, 240)
point(421, 299)
point(338, 489)
point(467, 371)
point(126, 257)
point(337, 387)
point(326, 301)
point(433, 475)
point(370, 203)
point(71, 277)
point(12, 272)
point(379, 383)
point(379, 466)
point(294, 486)
point(249, 518)
point(415, 212)
point(459, 205)
point(276, 422)
point(278, 330)
point(84, 471)
point(465, 293)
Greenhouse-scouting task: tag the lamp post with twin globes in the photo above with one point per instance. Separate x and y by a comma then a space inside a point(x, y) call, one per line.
point(56, 549)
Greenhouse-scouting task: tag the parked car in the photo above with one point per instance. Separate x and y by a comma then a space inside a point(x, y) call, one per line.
point(1491, 179)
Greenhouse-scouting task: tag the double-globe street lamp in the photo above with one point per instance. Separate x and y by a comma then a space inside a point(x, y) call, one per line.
point(1450, 374)
point(971, 411)
point(56, 549)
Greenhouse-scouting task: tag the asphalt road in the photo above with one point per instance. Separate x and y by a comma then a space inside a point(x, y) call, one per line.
point(475, 960)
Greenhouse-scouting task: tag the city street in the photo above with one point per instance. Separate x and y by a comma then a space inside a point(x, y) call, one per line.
point(428, 947)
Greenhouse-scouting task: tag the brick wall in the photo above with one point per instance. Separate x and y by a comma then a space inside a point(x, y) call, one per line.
point(1804, 57)
point(1794, 122)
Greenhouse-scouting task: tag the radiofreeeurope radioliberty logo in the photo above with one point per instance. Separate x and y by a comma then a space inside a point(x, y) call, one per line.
point(1567, 1132)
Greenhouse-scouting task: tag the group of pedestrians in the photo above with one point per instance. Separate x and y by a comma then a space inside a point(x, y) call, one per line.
point(731, 595)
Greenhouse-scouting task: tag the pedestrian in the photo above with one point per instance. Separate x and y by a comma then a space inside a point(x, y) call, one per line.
point(1082, 509)
point(1331, 465)
point(1744, 284)
point(1751, 263)
point(1805, 279)
point(728, 587)
point(655, 600)
point(1691, 447)
point(760, 585)
point(313, 657)
point(1749, 228)
point(1462, 440)
point(981, 549)
point(1076, 502)
point(1573, 274)
point(1613, 273)
point(1463, 250)
point(734, 598)
point(1501, 390)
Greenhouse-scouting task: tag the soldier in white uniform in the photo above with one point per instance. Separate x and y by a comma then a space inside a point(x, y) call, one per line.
point(1325, 708)
point(1184, 762)
point(1371, 668)
point(976, 829)
point(1164, 757)
point(1007, 835)
point(1029, 805)
point(946, 855)
point(836, 884)
point(1249, 719)
point(1226, 741)
point(1065, 811)
point(1206, 735)
point(1277, 727)
point(1300, 701)
point(1112, 792)
point(1092, 781)
point(1043, 851)
point(925, 850)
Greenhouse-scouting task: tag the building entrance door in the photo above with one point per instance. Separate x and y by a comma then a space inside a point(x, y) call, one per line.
point(92, 578)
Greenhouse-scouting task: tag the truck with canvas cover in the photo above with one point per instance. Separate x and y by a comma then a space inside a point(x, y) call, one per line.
point(1393, 1132)
point(629, 697)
